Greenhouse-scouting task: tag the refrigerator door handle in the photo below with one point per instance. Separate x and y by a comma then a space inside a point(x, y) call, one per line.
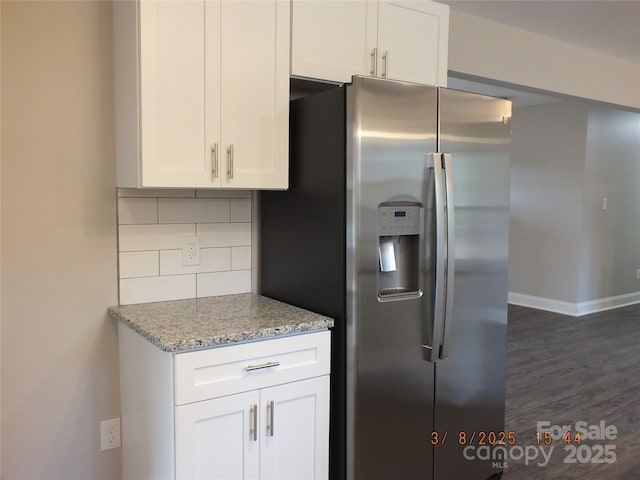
point(451, 257)
point(431, 353)
point(445, 257)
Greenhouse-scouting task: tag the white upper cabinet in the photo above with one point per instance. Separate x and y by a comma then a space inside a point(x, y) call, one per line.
point(402, 40)
point(202, 92)
point(413, 40)
point(333, 40)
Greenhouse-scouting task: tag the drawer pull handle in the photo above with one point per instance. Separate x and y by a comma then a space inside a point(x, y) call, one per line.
point(249, 368)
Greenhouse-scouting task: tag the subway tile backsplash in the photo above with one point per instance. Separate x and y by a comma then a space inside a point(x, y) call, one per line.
point(151, 226)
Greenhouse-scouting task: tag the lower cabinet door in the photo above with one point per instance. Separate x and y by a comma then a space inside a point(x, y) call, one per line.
point(277, 433)
point(294, 420)
point(215, 439)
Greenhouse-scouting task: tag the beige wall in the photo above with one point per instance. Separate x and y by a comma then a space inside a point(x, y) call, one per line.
point(59, 349)
point(493, 50)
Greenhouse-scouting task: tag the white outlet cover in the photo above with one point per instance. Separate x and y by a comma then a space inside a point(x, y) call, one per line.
point(190, 251)
point(109, 434)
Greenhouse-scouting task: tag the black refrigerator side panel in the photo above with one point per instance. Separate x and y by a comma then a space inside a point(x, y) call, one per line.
point(303, 238)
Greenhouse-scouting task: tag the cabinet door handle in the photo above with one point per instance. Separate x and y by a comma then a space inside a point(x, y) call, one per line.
point(253, 423)
point(230, 161)
point(385, 59)
point(374, 62)
point(270, 410)
point(260, 366)
point(214, 160)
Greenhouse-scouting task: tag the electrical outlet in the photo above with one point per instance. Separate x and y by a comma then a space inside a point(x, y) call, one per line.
point(190, 251)
point(109, 434)
point(638, 274)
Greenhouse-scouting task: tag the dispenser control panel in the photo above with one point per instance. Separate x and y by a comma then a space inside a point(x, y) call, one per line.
point(399, 220)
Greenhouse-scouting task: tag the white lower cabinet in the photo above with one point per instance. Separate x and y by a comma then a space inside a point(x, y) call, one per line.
point(215, 438)
point(251, 411)
point(297, 435)
point(276, 433)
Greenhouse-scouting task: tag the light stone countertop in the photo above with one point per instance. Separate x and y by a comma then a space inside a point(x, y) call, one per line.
point(182, 325)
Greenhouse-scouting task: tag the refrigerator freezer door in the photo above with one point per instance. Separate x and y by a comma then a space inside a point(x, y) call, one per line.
point(470, 383)
point(392, 127)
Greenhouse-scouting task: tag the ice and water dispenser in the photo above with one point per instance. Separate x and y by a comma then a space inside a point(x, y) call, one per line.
point(399, 247)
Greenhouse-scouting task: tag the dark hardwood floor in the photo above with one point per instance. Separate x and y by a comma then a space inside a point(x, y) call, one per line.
point(563, 370)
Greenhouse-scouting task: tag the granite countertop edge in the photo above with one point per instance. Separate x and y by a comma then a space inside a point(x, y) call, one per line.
point(193, 324)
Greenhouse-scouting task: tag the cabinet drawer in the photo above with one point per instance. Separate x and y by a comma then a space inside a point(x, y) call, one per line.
point(222, 371)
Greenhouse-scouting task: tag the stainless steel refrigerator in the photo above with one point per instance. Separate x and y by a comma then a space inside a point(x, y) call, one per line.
point(396, 225)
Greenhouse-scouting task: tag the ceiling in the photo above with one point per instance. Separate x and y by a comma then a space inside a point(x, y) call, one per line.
point(607, 26)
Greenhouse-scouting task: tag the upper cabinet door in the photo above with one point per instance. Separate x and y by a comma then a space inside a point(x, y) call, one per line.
point(403, 40)
point(213, 166)
point(173, 94)
point(333, 40)
point(202, 93)
point(413, 41)
point(255, 93)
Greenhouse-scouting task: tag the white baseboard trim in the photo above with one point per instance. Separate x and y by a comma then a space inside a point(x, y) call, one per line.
point(609, 303)
point(541, 303)
point(574, 309)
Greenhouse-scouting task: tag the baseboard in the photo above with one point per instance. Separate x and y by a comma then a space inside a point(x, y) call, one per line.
point(608, 303)
point(541, 303)
point(574, 309)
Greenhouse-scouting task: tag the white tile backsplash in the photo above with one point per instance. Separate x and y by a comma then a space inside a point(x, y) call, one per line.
point(133, 211)
point(211, 260)
point(139, 264)
point(240, 210)
point(241, 258)
point(224, 283)
point(152, 224)
point(224, 235)
point(157, 289)
point(193, 210)
point(223, 193)
point(154, 237)
point(156, 193)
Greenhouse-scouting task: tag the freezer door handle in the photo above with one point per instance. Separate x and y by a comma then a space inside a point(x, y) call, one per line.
point(451, 257)
point(445, 258)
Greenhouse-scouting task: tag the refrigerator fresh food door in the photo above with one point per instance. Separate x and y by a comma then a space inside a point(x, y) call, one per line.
point(391, 128)
point(470, 381)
